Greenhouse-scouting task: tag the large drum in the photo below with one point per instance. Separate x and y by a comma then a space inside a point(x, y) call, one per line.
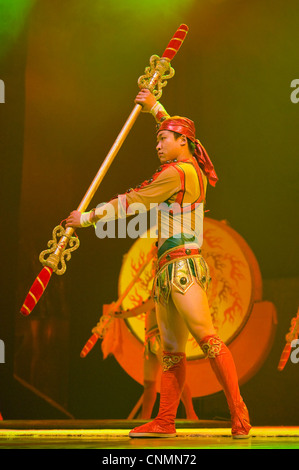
point(242, 320)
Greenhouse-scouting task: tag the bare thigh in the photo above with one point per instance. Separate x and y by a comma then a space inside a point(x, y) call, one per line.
point(173, 330)
point(194, 309)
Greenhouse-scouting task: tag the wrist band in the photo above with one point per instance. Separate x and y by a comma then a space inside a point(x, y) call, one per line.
point(85, 219)
point(156, 108)
point(159, 112)
point(92, 217)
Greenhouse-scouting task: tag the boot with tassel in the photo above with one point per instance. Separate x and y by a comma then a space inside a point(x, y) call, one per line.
point(172, 383)
point(224, 368)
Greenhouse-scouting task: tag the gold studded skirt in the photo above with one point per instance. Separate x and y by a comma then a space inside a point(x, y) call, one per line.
point(179, 268)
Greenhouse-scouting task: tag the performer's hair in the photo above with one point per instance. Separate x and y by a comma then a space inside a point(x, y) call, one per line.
point(191, 145)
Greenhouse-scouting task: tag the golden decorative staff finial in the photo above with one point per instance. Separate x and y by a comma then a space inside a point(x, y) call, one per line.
point(162, 68)
point(51, 256)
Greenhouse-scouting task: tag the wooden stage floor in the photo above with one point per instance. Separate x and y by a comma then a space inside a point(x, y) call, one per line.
point(113, 434)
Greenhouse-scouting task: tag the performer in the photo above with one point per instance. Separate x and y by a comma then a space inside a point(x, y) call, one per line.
point(182, 276)
point(153, 359)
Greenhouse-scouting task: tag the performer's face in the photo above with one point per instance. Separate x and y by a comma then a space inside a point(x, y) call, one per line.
point(168, 147)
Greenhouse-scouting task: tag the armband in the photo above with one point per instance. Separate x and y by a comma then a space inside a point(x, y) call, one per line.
point(159, 112)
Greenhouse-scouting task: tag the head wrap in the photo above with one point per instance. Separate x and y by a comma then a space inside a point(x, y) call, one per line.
point(186, 127)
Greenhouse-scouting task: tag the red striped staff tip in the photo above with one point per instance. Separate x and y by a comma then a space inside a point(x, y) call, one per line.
point(176, 42)
point(36, 290)
point(89, 345)
point(284, 356)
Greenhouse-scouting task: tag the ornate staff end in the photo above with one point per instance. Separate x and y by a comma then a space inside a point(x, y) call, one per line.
point(156, 75)
point(57, 254)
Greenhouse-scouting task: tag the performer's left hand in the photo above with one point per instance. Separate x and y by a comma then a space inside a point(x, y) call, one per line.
point(112, 310)
point(73, 219)
point(146, 99)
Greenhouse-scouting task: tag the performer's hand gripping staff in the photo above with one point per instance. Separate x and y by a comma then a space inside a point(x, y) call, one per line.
point(292, 334)
point(103, 325)
point(53, 259)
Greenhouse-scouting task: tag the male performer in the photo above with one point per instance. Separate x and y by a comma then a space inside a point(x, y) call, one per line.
point(153, 359)
point(182, 274)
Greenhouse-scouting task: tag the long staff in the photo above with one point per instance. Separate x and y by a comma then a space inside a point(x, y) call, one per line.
point(54, 258)
point(103, 325)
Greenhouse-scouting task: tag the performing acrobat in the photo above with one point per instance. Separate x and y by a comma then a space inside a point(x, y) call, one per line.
point(182, 277)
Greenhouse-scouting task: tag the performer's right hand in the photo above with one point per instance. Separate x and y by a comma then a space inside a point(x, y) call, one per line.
point(112, 310)
point(146, 99)
point(73, 219)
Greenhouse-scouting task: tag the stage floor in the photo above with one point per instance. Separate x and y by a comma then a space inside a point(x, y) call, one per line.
point(112, 435)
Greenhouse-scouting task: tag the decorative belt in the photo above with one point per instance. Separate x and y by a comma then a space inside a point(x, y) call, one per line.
point(175, 253)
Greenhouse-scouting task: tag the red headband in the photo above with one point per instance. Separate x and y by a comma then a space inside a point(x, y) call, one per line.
point(186, 127)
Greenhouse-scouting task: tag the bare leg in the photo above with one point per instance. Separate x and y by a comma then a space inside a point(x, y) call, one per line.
point(183, 313)
point(194, 308)
point(174, 335)
point(172, 326)
point(151, 367)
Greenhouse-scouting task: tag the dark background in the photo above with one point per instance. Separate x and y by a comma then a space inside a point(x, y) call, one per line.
point(70, 71)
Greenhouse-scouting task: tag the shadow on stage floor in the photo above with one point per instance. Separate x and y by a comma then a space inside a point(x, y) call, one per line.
point(113, 434)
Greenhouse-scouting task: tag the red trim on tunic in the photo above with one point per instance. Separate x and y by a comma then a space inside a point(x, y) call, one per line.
point(181, 192)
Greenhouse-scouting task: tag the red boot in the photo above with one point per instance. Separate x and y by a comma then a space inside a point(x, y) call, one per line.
point(149, 398)
point(172, 383)
point(186, 398)
point(223, 365)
